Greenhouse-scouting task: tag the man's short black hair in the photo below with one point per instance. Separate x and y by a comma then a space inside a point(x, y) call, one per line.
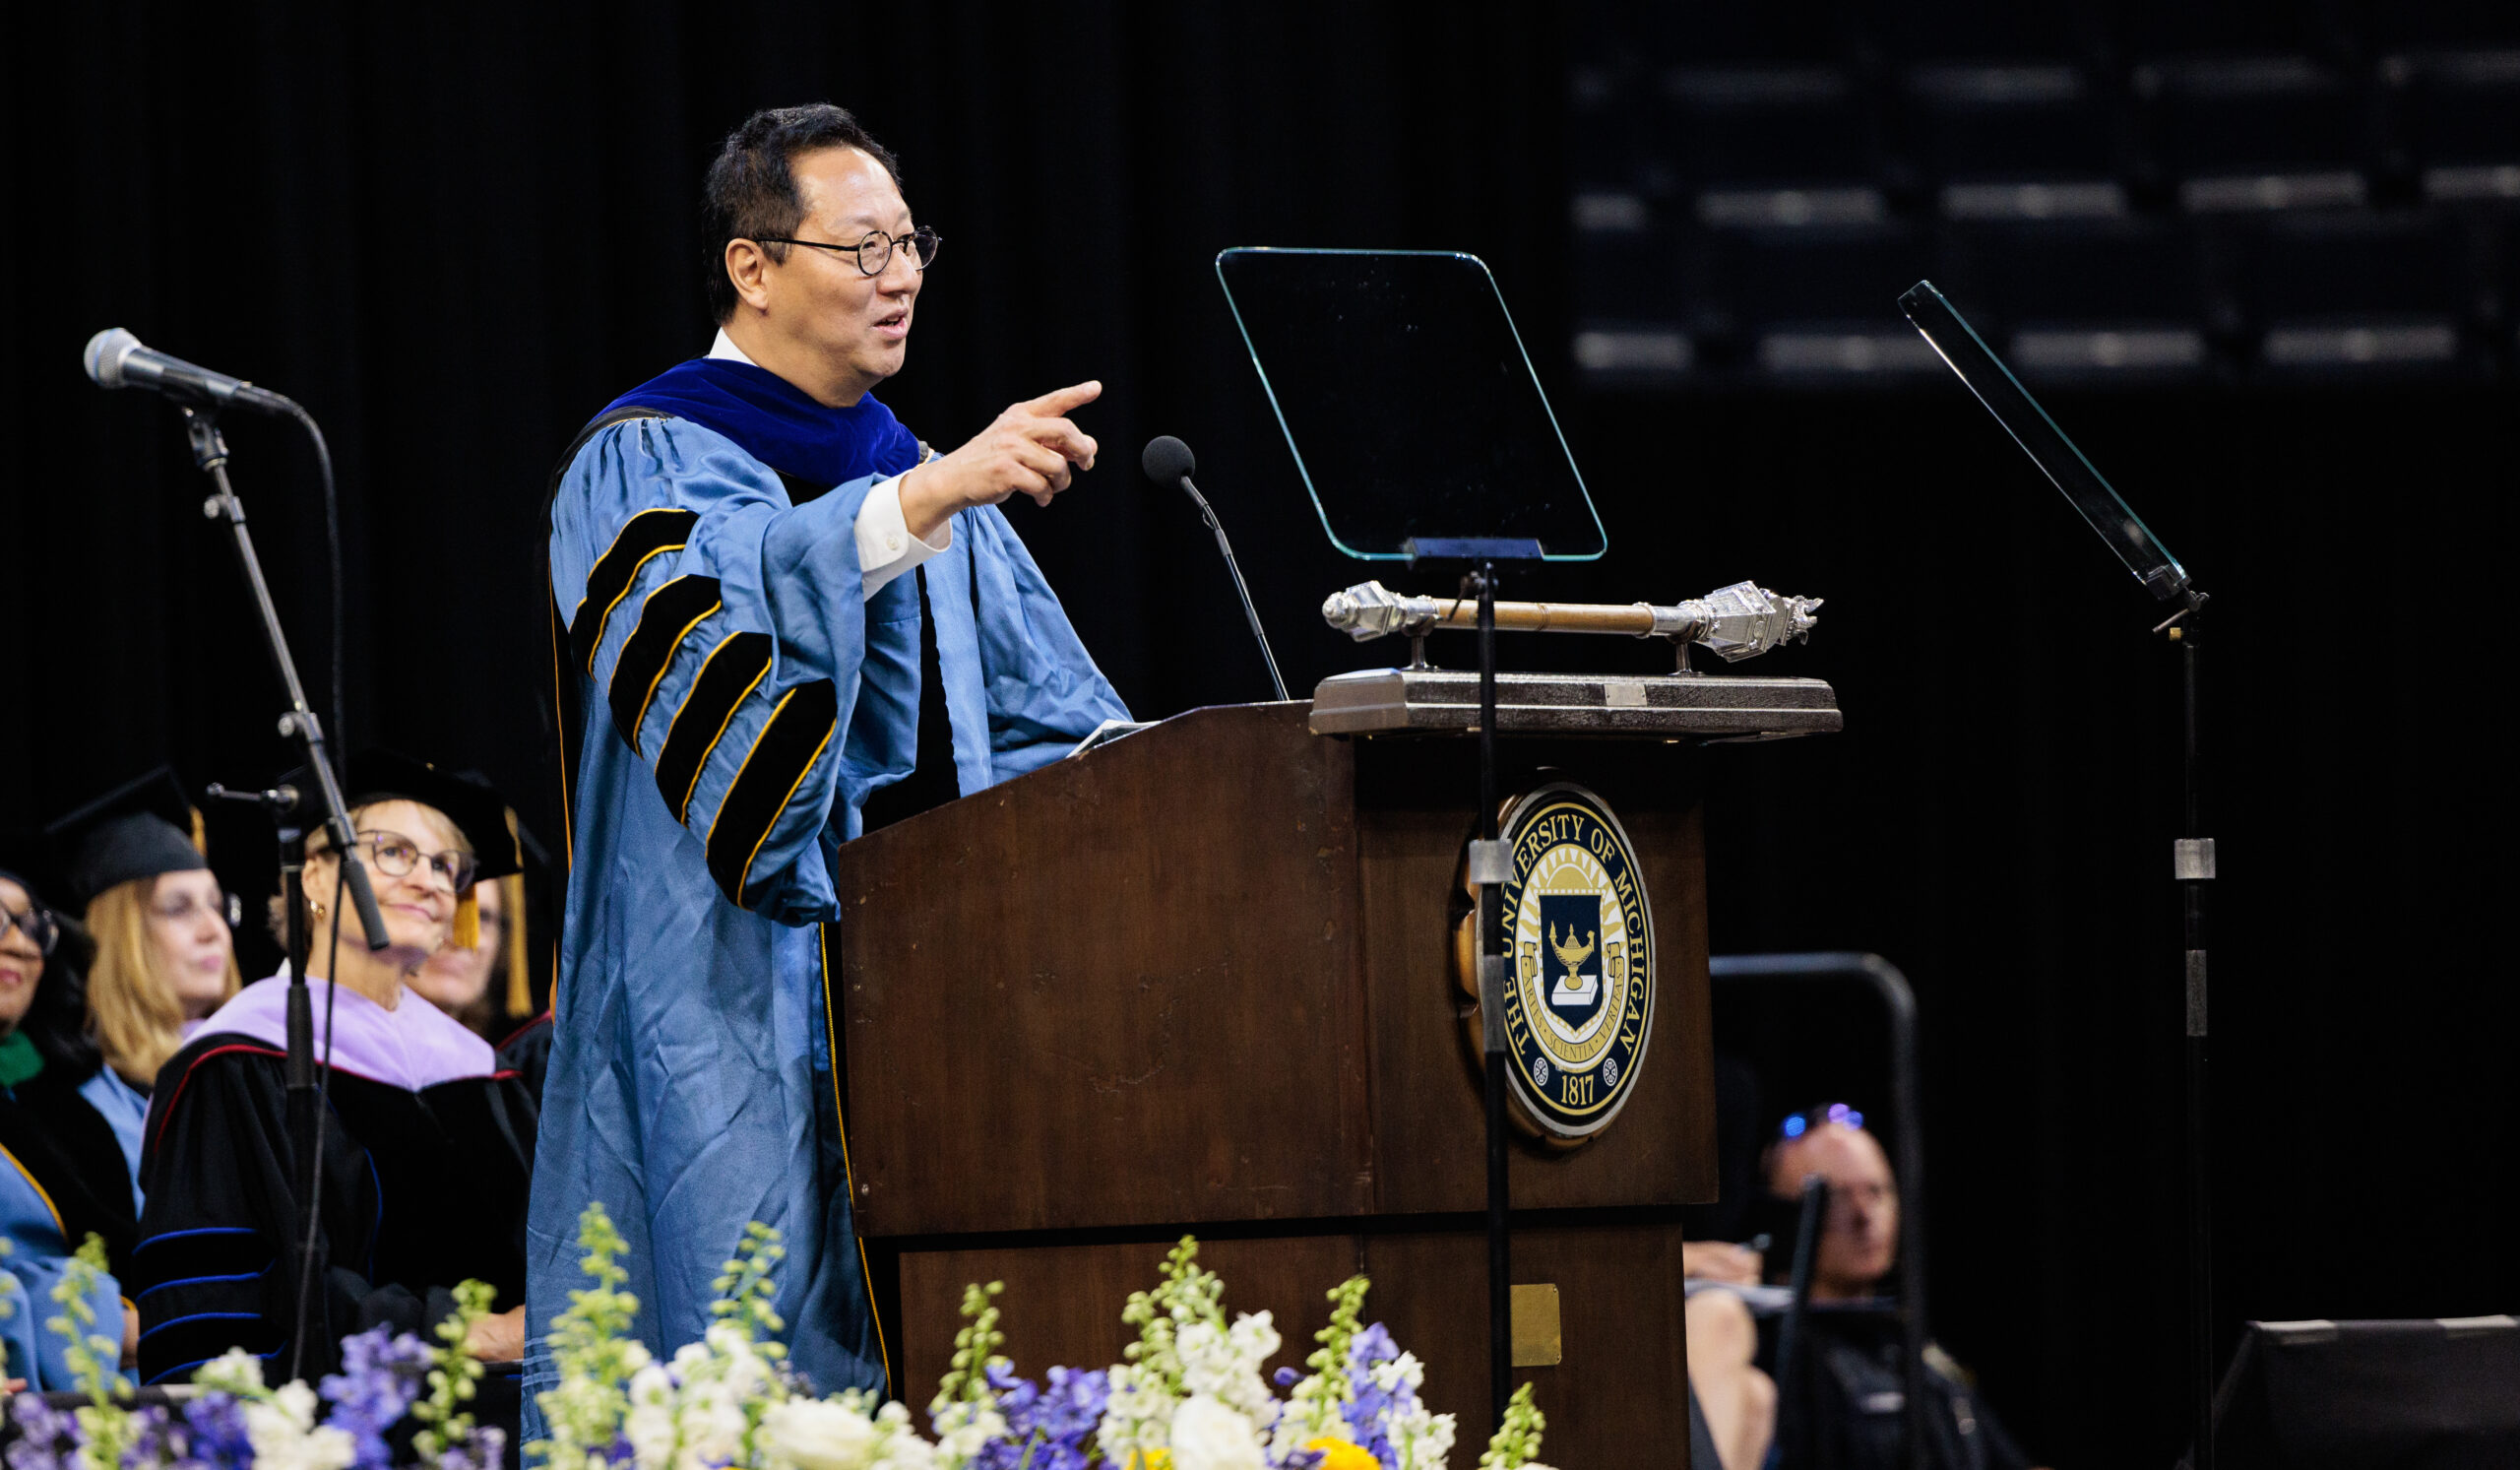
point(751, 192)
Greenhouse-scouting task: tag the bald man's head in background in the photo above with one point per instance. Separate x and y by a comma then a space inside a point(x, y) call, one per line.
point(1861, 1237)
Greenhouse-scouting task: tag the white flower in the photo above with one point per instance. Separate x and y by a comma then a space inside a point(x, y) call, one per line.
point(819, 1434)
point(1419, 1440)
point(282, 1429)
point(1224, 1364)
point(1405, 1369)
point(1208, 1435)
point(964, 1429)
point(650, 1424)
point(1138, 1416)
point(712, 1424)
point(236, 1371)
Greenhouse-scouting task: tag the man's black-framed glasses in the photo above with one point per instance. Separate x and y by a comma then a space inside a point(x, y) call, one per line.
point(875, 252)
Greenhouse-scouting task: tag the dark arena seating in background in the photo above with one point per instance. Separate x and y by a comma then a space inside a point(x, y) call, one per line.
point(2137, 192)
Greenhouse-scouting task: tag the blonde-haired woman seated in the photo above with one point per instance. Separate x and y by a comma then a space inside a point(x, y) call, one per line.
point(428, 1149)
point(165, 956)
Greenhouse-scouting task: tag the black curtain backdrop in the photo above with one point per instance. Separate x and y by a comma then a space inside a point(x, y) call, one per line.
point(455, 233)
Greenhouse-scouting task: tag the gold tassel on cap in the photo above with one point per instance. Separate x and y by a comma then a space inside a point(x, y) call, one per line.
point(468, 922)
point(520, 973)
point(201, 835)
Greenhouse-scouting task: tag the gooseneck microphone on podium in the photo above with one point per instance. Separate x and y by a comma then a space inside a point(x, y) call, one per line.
point(1167, 461)
point(115, 359)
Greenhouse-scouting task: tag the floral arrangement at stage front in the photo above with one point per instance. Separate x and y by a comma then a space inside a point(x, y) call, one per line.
point(234, 1421)
point(1193, 1393)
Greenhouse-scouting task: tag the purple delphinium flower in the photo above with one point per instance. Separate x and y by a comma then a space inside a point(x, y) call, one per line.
point(1371, 1404)
point(480, 1450)
point(381, 1375)
point(1046, 1425)
point(214, 1436)
point(45, 1441)
point(155, 1438)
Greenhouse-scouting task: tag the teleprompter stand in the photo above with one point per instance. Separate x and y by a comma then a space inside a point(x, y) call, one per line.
point(298, 723)
point(1491, 866)
point(2192, 860)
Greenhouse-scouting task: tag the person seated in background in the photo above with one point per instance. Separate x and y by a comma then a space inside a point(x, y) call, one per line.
point(164, 955)
point(1854, 1396)
point(484, 986)
point(62, 1176)
point(1736, 1399)
point(428, 1148)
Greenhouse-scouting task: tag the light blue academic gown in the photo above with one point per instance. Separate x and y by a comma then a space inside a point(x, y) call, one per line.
point(741, 700)
point(38, 1257)
point(125, 1111)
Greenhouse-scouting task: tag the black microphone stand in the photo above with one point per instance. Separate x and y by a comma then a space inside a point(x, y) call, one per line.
point(298, 722)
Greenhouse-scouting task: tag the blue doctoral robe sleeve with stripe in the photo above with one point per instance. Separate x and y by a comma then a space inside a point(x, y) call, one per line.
point(741, 697)
point(37, 1258)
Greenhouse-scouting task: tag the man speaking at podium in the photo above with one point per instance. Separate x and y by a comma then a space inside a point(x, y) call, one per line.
point(751, 560)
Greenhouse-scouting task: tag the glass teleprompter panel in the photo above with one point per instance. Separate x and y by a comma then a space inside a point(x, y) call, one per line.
point(1408, 401)
point(2038, 435)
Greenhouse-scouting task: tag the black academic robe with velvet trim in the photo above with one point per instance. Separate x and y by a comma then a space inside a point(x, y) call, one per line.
point(421, 1190)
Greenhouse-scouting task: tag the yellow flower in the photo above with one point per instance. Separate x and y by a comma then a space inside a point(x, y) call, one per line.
point(1339, 1454)
point(1151, 1459)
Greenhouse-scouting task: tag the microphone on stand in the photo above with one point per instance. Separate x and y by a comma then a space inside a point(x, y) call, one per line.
point(1168, 461)
point(114, 359)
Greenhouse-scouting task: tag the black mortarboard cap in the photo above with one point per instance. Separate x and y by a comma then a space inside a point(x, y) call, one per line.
point(138, 830)
point(474, 805)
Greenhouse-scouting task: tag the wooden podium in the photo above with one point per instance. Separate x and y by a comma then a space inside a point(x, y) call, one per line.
point(1200, 980)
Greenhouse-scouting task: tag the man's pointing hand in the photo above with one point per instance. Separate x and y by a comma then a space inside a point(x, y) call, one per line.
point(1027, 451)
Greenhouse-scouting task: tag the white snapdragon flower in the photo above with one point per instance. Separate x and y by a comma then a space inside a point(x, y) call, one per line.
point(712, 1425)
point(283, 1431)
point(901, 1448)
point(1226, 1363)
point(1208, 1435)
point(819, 1434)
point(650, 1424)
point(1136, 1418)
point(1405, 1369)
point(964, 1429)
point(1419, 1440)
point(234, 1372)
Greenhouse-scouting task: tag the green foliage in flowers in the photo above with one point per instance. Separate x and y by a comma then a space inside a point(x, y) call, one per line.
point(107, 1428)
point(1314, 1405)
point(1515, 1442)
point(453, 1374)
point(593, 1354)
point(974, 1349)
point(1185, 1295)
point(746, 1288)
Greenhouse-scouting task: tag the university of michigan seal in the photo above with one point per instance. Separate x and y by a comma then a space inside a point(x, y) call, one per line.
point(1579, 993)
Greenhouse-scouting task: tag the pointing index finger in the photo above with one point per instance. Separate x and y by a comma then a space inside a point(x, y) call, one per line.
point(1059, 401)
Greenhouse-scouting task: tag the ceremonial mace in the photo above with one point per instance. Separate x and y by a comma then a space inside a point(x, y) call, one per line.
point(2192, 854)
point(115, 359)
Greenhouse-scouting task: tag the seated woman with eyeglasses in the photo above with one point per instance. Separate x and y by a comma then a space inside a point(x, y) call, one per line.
point(61, 1176)
point(427, 1146)
point(163, 956)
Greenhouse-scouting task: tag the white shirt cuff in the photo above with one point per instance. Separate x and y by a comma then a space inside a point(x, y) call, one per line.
point(885, 548)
